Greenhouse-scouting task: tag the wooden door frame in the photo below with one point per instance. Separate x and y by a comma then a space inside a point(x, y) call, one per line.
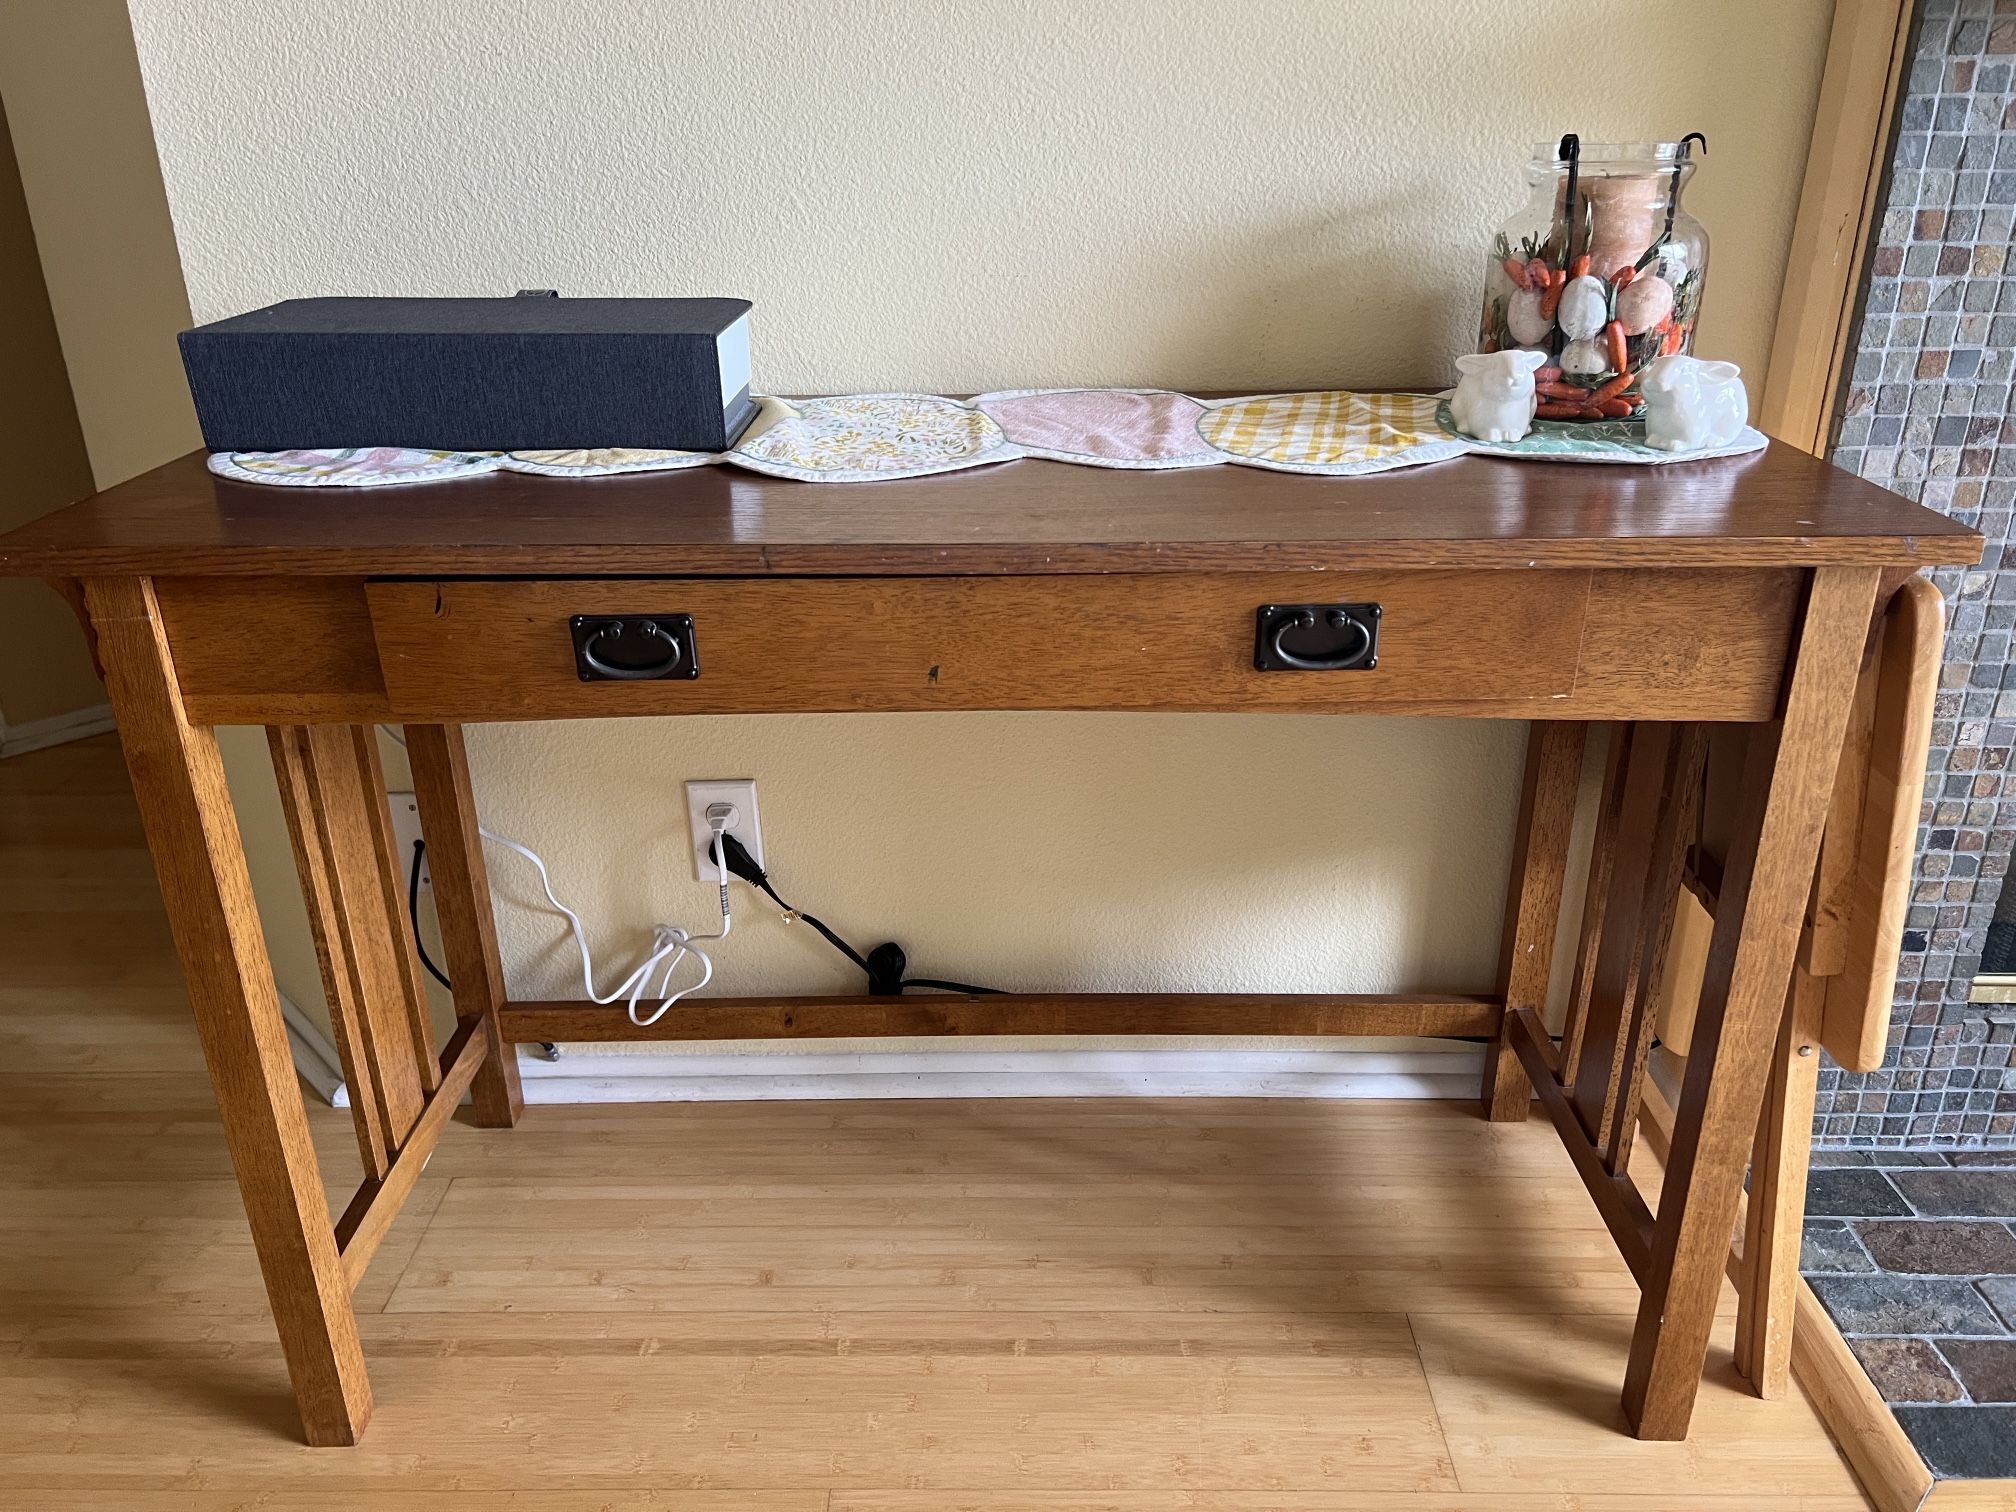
point(1854, 127)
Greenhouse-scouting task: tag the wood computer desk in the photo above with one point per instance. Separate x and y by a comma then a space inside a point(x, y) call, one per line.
point(1666, 600)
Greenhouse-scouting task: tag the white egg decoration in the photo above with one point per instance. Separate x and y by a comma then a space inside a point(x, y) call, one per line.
point(1585, 307)
point(1585, 358)
point(1523, 318)
point(1641, 304)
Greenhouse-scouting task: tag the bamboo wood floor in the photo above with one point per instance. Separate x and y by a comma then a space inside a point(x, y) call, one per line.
point(1031, 1306)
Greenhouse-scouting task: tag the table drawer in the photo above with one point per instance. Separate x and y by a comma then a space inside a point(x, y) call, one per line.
point(502, 649)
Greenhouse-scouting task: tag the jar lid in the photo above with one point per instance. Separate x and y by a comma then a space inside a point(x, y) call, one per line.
point(1614, 157)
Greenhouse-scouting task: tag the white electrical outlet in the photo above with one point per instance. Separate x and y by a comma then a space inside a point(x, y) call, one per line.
point(746, 826)
point(406, 830)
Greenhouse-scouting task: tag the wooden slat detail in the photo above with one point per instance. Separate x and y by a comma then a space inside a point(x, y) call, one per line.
point(369, 1216)
point(1005, 1013)
point(1595, 899)
point(441, 786)
point(291, 762)
point(1644, 876)
point(1617, 1199)
point(1761, 901)
point(1679, 992)
point(1546, 825)
point(390, 873)
point(185, 804)
point(1679, 805)
point(1775, 1216)
point(341, 786)
point(1855, 1025)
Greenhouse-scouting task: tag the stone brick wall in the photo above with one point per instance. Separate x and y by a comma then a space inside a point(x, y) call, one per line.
point(1927, 413)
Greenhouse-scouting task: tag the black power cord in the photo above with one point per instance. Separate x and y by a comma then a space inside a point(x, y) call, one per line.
point(413, 914)
point(885, 965)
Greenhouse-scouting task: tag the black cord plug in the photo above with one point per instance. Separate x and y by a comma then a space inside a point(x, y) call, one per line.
point(739, 863)
point(886, 965)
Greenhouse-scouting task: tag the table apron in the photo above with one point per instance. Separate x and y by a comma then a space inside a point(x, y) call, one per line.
point(1665, 644)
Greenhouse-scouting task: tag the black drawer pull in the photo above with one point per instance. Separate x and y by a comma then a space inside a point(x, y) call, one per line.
point(634, 647)
point(1331, 637)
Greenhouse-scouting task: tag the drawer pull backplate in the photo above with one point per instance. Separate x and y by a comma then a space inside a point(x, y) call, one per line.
point(634, 647)
point(1316, 637)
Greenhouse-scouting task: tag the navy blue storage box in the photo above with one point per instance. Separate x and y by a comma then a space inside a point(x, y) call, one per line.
point(517, 374)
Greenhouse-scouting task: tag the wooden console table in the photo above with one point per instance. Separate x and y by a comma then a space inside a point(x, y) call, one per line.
point(1665, 600)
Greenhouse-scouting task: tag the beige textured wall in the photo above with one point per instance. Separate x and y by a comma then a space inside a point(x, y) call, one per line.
point(1000, 192)
point(79, 116)
point(92, 190)
point(961, 197)
point(44, 668)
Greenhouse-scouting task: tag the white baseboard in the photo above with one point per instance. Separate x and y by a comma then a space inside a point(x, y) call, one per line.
point(592, 1074)
point(581, 1075)
point(315, 1059)
point(39, 734)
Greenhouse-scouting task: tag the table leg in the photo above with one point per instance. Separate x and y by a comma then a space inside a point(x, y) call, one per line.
point(1533, 902)
point(1788, 781)
point(1774, 1221)
point(178, 781)
point(462, 899)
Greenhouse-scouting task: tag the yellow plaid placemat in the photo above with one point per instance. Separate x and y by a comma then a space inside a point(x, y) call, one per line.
point(1329, 429)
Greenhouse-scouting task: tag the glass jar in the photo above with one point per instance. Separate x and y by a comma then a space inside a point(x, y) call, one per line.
point(1602, 286)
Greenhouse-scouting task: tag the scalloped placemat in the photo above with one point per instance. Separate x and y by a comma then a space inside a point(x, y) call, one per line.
point(866, 438)
point(353, 467)
point(861, 438)
point(1127, 428)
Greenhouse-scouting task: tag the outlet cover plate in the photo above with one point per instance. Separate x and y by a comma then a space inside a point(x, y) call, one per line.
point(748, 825)
point(406, 830)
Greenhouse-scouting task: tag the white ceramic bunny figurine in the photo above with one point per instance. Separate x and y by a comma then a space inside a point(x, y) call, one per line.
point(1691, 405)
point(1494, 398)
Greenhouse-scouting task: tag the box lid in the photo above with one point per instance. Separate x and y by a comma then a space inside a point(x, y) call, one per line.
point(478, 317)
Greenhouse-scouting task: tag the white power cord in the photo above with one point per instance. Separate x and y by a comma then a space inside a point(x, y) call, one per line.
point(669, 943)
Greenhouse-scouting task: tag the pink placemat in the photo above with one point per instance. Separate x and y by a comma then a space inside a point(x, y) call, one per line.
point(1103, 427)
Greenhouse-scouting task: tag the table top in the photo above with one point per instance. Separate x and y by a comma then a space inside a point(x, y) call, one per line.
point(1779, 507)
